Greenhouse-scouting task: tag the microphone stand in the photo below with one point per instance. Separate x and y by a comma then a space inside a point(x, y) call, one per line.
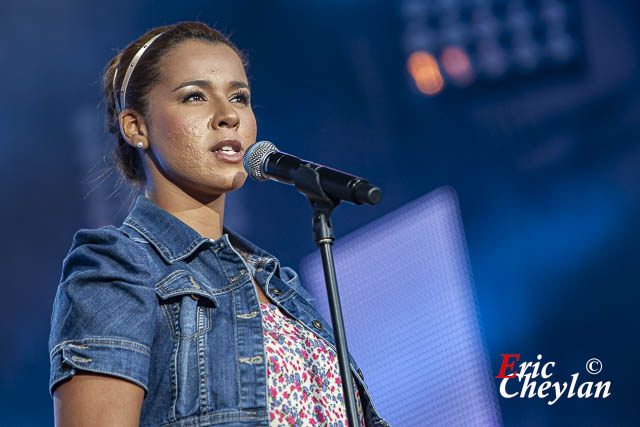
point(307, 181)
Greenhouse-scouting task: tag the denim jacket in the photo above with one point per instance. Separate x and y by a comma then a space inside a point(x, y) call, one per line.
point(155, 303)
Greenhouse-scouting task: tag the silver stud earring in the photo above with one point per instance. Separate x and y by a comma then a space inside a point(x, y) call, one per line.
point(139, 144)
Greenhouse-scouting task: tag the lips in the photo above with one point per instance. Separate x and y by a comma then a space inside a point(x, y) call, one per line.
point(228, 150)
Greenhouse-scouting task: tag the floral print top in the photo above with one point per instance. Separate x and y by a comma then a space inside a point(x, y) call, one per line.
point(304, 382)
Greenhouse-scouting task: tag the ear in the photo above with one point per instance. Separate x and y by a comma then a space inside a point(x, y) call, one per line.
point(133, 128)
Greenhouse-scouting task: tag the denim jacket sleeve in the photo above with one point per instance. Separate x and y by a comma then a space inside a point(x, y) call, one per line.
point(104, 310)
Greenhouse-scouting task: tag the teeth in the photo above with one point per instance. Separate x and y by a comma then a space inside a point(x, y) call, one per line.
point(227, 148)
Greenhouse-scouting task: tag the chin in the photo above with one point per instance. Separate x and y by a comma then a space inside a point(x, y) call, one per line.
point(238, 180)
point(230, 183)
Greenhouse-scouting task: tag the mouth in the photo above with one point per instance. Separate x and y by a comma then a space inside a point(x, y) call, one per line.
point(228, 150)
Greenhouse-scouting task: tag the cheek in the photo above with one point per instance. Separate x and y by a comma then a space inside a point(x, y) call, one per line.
point(178, 141)
point(249, 127)
point(178, 127)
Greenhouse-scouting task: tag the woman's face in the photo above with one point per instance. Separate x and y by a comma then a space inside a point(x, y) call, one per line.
point(199, 121)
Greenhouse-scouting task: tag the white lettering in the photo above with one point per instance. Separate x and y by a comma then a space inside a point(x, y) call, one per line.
point(531, 386)
point(553, 391)
point(536, 366)
point(582, 393)
point(503, 389)
point(559, 392)
point(523, 369)
point(544, 369)
point(574, 379)
point(600, 386)
point(541, 390)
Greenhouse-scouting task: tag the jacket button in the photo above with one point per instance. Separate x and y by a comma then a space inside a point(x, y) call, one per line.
point(316, 324)
point(276, 291)
point(360, 373)
point(259, 269)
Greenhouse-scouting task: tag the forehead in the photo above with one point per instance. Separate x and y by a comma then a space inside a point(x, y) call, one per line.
point(195, 60)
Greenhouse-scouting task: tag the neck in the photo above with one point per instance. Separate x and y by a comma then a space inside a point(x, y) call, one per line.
point(203, 215)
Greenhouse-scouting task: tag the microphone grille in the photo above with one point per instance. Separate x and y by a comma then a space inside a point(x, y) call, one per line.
point(254, 158)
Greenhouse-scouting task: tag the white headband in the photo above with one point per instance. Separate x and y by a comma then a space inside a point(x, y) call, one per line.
point(121, 104)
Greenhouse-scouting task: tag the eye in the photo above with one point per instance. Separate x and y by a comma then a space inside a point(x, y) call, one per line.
point(241, 97)
point(193, 96)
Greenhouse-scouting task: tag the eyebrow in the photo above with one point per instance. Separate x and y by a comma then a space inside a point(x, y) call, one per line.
point(235, 84)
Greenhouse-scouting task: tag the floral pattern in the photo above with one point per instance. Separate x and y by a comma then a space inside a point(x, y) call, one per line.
point(305, 388)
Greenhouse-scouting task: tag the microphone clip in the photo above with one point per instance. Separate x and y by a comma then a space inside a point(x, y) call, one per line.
point(307, 181)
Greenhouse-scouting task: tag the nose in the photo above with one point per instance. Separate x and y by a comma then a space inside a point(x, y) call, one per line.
point(225, 116)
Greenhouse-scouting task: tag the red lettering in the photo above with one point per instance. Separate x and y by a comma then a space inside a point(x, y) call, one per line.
point(505, 365)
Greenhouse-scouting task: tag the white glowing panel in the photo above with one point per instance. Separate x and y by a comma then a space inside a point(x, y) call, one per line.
point(410, 315)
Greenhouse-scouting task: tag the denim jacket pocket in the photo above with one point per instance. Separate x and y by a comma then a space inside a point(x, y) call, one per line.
point(186, 305)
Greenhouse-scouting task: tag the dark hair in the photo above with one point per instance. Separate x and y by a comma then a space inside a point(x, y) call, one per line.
point(144, 77)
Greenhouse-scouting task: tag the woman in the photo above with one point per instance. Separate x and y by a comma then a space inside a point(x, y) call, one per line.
point(172, 319)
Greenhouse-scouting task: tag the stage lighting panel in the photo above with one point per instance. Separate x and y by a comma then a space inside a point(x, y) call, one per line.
point(500, 38)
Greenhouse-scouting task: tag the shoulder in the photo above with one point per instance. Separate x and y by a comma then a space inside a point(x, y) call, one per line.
point(105, 309)
point(107, 248)
point(107, 236)
point(104, 235)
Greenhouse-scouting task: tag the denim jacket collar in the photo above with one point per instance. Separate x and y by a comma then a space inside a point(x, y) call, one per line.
point(174, 239)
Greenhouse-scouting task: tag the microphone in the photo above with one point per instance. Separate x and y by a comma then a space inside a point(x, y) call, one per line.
point(263, 161)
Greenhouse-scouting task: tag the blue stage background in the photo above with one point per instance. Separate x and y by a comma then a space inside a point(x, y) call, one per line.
point(545, 161)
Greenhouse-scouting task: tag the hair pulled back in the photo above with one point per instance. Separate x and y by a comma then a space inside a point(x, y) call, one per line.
point(145, 75)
